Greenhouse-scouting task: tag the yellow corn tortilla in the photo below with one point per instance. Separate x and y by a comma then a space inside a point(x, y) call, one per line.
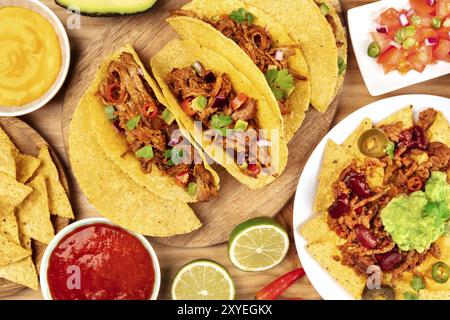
point(12, 193)
point(10, 251)
point(115, 145)
point(335, 159)
point(404, 115)
point(23, 271)
point(309, 28)
point(57, 197)
point(351, 143)
point(439, 131)
point(325, 253)
point(316, 229)
point(33, 213)
point(114, 194)
point(26, 166)
point(207, 36)
point(7, 163)
point(179, 54)
point(339, 35)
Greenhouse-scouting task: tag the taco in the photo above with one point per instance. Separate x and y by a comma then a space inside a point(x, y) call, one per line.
point(308, 27)
point(136, 129)
point(205, 92)
point(384, 209)
point(257, 46)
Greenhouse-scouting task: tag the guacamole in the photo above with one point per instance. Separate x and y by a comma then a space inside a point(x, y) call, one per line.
point(416, 221)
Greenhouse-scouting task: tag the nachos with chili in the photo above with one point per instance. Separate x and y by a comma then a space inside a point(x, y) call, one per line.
point(384, 203)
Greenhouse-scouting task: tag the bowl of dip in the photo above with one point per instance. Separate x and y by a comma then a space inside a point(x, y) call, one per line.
point(93, 259)
point(34, 56)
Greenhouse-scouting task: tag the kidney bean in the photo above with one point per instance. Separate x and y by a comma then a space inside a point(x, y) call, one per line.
point(365, 237)
point(358, 184)
point(413, 138)
point(389, 260)
point(339, 206)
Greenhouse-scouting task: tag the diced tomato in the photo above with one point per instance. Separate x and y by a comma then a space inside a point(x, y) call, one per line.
point(421, 58)
point(392, 56)
point(442, 8)
point(182, 178)
point(186, 106)
point(422, 7)
point(382, 40)
point(239, 100)
point(150, 109)
point(442, 50)
point(253, 170)
point(444, 35)
point(390, 19)
point(423, 33)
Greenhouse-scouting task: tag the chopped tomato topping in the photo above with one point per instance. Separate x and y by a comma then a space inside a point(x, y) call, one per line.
point(182, 178)
point(253, 170)
point(390, 19)
point(442, 8)
point(422, 7)
point(186, 106)
point(442, 51)
point(421, 58)
point(382, 40)
point(239, 100)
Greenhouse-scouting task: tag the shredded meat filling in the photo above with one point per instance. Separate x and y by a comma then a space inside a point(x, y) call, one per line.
point(126, 89)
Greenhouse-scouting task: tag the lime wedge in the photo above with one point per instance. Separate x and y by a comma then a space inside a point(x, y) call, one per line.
point(203, 280)
point(258, 244)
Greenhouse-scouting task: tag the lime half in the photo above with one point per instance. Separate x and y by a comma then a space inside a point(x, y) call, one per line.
point(258, 244)
point(203, 280)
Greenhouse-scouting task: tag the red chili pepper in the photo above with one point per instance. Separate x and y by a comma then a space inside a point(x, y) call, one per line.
point(274, 289)
point(182, 178)
point(150, 109)
point(115, 95)
point(186, 106)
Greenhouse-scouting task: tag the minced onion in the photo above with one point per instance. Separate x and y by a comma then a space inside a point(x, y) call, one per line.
point(432, 41)
point(382, 29)
point(430, 2)
point(279, 55)
point(395, 44)
point(403, 20)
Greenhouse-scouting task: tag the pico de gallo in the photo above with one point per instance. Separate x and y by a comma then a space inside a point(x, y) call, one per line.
point(411, 39)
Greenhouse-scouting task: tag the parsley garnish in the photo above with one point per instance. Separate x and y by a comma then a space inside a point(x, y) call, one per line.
point(280, 81)
point(241, 15)
point(221, 122)
point(390, 148)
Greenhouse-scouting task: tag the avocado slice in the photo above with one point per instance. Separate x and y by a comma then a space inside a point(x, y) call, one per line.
point(106, 8)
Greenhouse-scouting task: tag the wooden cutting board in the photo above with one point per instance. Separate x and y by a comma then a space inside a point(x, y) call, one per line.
point(28, 141)
point(148, 33)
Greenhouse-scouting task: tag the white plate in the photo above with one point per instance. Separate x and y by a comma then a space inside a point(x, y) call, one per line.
point(361, 21)
point(325, 285)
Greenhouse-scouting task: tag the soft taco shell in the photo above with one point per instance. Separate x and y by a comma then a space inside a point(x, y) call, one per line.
point(309, 28)
point(115, 145)
point(207, 36)
point(113, 193)
point(179, 54)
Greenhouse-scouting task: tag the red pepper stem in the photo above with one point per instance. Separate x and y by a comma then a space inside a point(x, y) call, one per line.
point(274, 289)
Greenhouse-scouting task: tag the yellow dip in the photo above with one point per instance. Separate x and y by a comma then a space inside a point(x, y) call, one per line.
point(30, 56)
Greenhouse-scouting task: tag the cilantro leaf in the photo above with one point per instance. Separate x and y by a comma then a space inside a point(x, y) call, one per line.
point(417, 283)
point(241, 15)
point(342, 66)
point(280, 81)
point(390, 149)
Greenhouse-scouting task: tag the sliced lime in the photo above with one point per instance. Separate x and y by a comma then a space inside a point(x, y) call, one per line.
point(258, 244)
point(203, 280)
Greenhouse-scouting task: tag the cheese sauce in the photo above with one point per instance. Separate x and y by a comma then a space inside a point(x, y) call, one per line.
point(30, 56)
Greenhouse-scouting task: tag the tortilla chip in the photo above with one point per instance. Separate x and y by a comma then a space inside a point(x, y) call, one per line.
point(22, 272)
point(11, 251)
point(114, 194)
point(404, 115)
point(316, 229)
point(439, 131)
point(335, 159)
point(325, 253)
point(8, 226)
point(7, 163)
point(375, 178)
point(33, 214)
point(12, 193)
point(351, 143)
point(26, 166)
point(58, 201)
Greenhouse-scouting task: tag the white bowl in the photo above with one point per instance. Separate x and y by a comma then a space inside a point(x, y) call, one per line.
point(361, 21)
point(44, 11)
point(71, 227)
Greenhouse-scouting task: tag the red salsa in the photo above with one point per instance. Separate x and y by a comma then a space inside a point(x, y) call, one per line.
point(100, 262)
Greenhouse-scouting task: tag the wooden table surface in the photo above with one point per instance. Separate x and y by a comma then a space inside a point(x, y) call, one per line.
point(47, 121)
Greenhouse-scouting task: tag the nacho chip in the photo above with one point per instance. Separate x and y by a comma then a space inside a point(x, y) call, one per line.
point(58, 201)
point(8, 226)
point(10, 251)
point(439, 131)
point(335, 159)
point(33, 214)
point(326, 253)
point(316, 229)
point(7, 163)
point(351, 143)
point(12, 193)
point(404, 115)
point(22, 272)
point(26, 166)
